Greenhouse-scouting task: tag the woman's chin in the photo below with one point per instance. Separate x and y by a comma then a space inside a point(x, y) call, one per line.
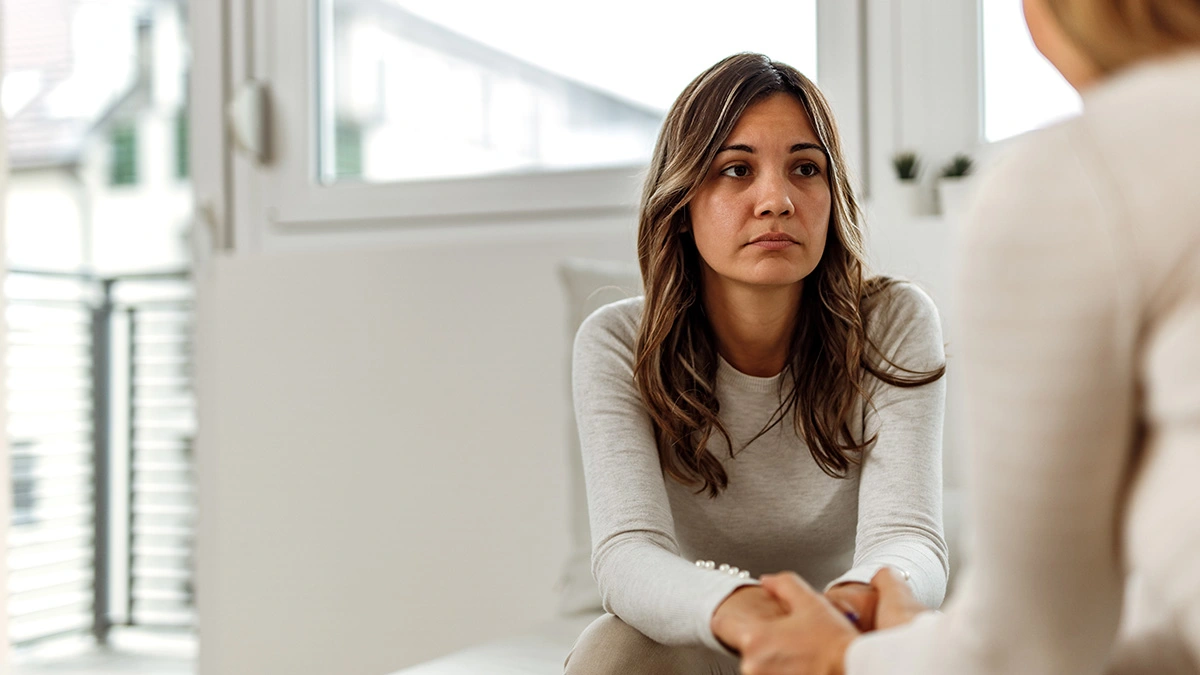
point(773, 281)
point(775, 274)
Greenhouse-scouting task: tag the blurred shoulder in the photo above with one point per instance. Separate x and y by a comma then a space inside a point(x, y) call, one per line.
point(1030, 173)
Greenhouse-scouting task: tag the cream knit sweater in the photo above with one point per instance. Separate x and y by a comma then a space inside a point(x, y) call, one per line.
point(1080, 354)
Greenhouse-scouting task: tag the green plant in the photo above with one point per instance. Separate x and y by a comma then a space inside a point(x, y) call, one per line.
point(907, 164)
point(958, 167)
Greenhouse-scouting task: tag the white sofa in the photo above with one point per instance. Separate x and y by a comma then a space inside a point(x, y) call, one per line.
point(542, 650)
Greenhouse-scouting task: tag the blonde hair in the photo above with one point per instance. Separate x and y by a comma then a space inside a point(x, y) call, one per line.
point(676, 358)
point(1118, 33)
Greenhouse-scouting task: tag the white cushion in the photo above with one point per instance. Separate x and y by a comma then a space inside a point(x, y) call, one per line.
point(541, 651)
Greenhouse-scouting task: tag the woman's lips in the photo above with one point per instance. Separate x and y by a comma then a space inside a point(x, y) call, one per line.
point(773, 244)
point(773, 241)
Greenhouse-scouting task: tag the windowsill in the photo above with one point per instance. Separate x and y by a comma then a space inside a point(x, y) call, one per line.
point(130, 650)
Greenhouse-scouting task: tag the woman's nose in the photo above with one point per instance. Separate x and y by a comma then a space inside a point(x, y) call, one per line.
point(773, 198)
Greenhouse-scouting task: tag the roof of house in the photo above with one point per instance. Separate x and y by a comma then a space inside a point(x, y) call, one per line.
point(40, 61)
point(37, 51)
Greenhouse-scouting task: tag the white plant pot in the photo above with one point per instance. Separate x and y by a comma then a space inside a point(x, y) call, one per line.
point(910, 197)
point(953, 195)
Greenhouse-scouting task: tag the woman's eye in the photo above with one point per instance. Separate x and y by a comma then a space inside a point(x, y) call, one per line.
point(808, 170)
point(736, 171)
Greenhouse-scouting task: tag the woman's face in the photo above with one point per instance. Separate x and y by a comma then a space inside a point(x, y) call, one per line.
point(761, 215)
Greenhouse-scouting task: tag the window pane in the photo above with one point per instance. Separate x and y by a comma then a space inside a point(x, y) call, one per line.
point(1021, 90)
point(415, 89)
point(124, 155)
point(181, 144)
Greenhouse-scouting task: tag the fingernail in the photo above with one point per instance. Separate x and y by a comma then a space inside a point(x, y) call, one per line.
point(853, 617)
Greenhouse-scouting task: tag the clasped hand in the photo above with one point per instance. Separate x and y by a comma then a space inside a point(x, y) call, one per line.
point(784, 627)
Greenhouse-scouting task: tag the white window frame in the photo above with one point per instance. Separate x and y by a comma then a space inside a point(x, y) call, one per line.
point(298, 199)
point(272, 41)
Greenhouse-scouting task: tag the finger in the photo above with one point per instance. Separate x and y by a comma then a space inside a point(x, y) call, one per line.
point(852, 615)
point(789, 588)
point(887, 582)
point(859, 608)
point(860, 595)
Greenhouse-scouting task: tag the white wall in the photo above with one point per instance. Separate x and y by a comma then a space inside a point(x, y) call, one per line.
point(382, 454)
point(45, 226)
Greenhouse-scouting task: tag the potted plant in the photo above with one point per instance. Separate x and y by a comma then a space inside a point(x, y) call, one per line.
point(908, 185)
point(952, 184)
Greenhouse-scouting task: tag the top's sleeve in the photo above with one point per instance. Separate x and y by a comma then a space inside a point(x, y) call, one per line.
point(900, 484)
point(1047, 338)
point(635, 557)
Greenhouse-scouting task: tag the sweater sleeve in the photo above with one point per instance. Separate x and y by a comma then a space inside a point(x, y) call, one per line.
point(1046, 343)
point(900, 485)
point(635, 556)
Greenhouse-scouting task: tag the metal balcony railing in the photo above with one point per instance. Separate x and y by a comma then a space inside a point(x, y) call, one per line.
point(101, 419)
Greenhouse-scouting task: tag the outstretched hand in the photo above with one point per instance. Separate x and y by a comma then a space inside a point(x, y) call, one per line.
point(811, 639)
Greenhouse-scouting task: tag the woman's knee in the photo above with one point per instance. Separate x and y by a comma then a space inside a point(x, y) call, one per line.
point(609, 646)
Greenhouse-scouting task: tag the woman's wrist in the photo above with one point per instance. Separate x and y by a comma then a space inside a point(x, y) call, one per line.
point(732, 619)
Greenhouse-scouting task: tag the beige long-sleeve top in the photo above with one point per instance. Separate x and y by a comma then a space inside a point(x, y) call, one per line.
point(780, 511)
point(1079, 343)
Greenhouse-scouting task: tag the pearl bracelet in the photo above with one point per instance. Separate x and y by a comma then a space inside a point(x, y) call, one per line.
point(731, 571)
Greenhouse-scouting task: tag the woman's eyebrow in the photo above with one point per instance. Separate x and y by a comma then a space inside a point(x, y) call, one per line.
point(746, 148)
point(807, 146)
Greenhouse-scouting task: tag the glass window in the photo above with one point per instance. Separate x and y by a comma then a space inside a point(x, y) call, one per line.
point(419, 89)
point(123, 167)
point(348, 150)
point(1021, 90)
point(181, 145)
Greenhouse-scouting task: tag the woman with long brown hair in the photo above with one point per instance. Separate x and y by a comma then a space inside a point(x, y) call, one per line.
point(1080, 348)
point(766, 405)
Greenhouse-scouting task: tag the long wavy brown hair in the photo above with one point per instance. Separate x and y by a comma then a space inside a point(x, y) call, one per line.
point(676, 357)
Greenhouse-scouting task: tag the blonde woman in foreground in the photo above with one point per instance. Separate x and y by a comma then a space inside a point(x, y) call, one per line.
point(1080, 350)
